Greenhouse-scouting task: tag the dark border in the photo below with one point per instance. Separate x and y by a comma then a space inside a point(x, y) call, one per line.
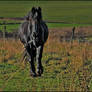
point(45, 0)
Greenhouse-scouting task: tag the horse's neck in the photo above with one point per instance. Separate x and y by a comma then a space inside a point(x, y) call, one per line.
point(29, 28)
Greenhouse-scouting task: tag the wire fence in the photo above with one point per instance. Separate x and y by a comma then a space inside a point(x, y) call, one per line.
point(14, 34)
point(47, 21)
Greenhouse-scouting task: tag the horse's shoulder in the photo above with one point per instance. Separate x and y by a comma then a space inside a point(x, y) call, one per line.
point(23, 28)
point(24, 24)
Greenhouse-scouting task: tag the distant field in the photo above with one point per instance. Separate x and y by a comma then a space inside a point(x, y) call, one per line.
point(75, 11)
point(68, 11)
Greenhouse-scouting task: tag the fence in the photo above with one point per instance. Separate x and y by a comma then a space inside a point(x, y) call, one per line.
point(14, 34)
point(4, 34)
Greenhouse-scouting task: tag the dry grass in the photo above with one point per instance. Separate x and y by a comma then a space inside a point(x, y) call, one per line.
point(9, 49)
point(73, 63)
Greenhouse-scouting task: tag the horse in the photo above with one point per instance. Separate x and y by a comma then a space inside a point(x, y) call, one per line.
point(33, 34)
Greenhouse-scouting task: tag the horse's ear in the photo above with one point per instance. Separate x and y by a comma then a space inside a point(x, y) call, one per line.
point(40, 13)
point(39, 8)
point(33, 10)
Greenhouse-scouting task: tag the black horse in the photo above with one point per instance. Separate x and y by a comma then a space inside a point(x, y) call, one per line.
point(33, 33)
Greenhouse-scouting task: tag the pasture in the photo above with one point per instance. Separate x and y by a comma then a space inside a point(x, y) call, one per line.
point(77, 13)
point(67, 65)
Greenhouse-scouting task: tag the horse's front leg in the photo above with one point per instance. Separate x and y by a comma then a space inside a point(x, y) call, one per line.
point(31, 60)
point(39, 51)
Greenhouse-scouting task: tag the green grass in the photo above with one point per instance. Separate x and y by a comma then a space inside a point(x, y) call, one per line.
point(60, 25)
point(70, 11)
point(64, 11)
point(21, 81)
point(56, 77)
point(10, 28)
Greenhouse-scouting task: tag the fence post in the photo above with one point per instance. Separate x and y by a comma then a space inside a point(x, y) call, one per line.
point(4, 30)
point(73, 34)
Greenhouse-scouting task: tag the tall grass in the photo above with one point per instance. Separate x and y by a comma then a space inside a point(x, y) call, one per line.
point(67, 66)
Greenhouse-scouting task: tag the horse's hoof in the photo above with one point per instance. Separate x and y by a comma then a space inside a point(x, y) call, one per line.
point(40, 71)
point(33, 75)
point(38, 74)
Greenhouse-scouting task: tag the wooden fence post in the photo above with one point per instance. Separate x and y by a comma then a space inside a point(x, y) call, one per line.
point(4, 30)
point(73, 34)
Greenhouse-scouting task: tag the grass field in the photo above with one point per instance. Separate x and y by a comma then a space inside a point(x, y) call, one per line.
point(67, 65)
point(76, 12)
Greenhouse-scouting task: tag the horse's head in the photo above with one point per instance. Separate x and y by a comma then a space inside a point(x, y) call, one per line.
point(34, 17)
point(35, 14)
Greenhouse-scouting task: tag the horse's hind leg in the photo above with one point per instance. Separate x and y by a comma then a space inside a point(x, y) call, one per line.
point(31, 61)
point(38, 59)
